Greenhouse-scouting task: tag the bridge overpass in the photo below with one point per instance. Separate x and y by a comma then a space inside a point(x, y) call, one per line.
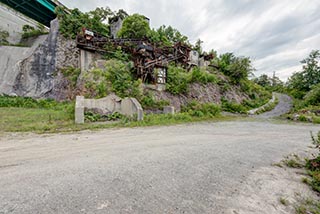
point(40, 10)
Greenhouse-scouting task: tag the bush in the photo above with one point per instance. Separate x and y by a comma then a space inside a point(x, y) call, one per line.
point(72, 23)
point(196, 109)
point(116, 77)
point(177, 80)
point(233, 107)
point(314, 164)
point(72, 74)
point(93, 117)
point(29, 31)
point(28, 102)
point(313, 96)
point(201, 76)
point(4, 37)
point(148, 102)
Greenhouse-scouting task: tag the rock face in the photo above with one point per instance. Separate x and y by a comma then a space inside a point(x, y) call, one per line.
point(210, 93)
point(39, 76)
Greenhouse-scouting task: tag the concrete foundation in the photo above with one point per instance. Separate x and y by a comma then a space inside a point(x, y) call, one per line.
point(108, 105)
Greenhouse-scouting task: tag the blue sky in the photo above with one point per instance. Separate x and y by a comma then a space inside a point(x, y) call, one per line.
point(275, 34)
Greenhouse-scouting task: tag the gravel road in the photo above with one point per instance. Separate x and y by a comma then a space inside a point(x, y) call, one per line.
point(283, 107)
point(195, 168)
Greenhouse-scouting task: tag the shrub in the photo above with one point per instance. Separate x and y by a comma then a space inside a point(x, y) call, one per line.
point(116, 77)
point(29, 31)
point(148, 102)
point(233, 107)
point(72, 74)
point(4, 37)
point(177, 80)
point(313, 96)
point(72, 23)
point(201, 110)
point(201, 76)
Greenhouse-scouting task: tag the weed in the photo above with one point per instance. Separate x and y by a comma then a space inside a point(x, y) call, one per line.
point(196, 109)
point(284, 201)
point(72, 74)
point(308, 206)
point(277, 164)
point(233, 107)
point(148, 102)
point(29, 31)
point(293, 162)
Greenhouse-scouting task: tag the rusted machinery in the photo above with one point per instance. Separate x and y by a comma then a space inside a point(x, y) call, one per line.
point(147, 57)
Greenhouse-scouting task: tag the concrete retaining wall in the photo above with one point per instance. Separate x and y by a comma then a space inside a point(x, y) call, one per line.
point(108, 105)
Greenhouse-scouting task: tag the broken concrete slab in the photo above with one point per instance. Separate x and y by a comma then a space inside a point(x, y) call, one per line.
point(130, 107)
point(108, 105)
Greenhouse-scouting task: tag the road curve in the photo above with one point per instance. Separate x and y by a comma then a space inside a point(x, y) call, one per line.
point(283, 107)
point(195, 168)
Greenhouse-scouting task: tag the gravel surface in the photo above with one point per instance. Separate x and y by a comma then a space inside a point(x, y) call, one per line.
point(283, 107)
point(195, 168)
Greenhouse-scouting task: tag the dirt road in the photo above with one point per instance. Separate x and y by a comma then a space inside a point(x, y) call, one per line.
point(197, 168)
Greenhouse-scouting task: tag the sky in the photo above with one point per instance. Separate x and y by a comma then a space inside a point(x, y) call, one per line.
point(275, 34)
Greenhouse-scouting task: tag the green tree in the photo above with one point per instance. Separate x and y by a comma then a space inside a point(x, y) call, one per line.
point(134, 26)
point(72, 23)
point(302, 82)
point(169, 35)
point(237, 68)
point(263, 80)
point(198, 46)
point(121, 14)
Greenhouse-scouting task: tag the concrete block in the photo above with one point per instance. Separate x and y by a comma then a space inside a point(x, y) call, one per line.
point(168, 110)
point(106, 105)
point(130, 107)
point(79, 110)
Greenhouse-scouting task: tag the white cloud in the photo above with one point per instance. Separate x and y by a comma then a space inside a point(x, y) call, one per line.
point(275, 34)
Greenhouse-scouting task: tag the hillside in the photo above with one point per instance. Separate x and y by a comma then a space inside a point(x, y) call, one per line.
point(54, 67)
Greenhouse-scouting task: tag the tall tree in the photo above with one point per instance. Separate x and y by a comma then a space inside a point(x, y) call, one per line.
point(310, 74)
point(134, 26)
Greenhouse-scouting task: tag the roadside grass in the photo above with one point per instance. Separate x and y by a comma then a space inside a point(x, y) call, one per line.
point(21, 114)
point(292, 161)
point(308, 206)
point(41, 120)
point(311, 178)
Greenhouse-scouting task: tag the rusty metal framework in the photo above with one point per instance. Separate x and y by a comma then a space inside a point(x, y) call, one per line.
point(146, 56)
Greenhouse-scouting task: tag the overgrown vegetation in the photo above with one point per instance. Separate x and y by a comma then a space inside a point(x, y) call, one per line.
point(313, 165)
point(72, 23)
point(72, 74)
point(196, 109)
point(30, 31)
point(148, 102)
point(304, 87)
point(308, 206)
point(116, 77)
point(4, 37)
point(134, 26)
point(41, 116)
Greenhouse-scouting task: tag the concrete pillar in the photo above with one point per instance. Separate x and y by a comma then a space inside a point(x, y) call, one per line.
point(168, 110)
point(79, 110)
